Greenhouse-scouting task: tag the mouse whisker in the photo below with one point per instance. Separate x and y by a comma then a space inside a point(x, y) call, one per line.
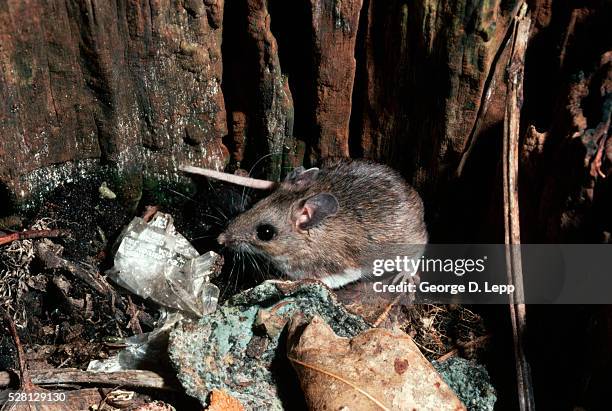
point(226, 284)
point(255, 264)
point(220, 211)
point(203, 236)
point(241, 271)
point(215, 218)
point(243, 197)
point(181, 194)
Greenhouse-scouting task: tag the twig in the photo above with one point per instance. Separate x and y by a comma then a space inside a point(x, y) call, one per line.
point(30, 234)
point(25, 382)
point(514, 99)
point(600, 136)
point(149, 212)
point(383, 316)
point(473, 343)
point(93, 279)
point(129, 378)
point(133, 312)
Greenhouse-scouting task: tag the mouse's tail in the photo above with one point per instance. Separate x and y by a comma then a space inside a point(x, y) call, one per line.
point(230, 178)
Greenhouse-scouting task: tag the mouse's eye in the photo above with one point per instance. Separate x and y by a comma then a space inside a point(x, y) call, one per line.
point(265, 232)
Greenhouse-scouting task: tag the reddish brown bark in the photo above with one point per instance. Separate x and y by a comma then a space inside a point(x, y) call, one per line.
point(335, 26)
point(125, 81)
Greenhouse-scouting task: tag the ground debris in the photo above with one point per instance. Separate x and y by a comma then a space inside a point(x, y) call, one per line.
point(221, 401)
point(240, 349)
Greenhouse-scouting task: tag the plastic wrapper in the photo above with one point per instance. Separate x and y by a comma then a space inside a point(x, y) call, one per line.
point(155, 262)
point(147, 351)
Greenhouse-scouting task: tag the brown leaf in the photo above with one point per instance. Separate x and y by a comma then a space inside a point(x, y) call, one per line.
point(376, 370)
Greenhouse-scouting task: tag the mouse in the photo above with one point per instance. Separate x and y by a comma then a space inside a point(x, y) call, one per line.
point(329, 223)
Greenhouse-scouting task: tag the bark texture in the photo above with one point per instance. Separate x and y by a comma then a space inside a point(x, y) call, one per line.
point(133, 83)
point(144, 85)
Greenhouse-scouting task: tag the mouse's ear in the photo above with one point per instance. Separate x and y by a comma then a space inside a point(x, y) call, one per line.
point(300, 177)
point(314, 210)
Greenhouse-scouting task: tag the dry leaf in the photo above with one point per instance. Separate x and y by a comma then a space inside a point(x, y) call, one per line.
point(376, 370)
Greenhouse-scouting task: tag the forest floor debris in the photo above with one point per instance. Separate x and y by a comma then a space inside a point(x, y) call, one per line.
point(70, 317)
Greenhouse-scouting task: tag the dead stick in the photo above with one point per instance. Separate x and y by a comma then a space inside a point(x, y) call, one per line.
point(25, 382)
point(514, 97)
point(27, 235)
point(149, 212)
point(383, 316)
point(130, 378)
point(474, 343)
point(93, 279)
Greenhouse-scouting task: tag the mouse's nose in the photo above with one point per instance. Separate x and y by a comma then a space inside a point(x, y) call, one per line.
point(222, 238)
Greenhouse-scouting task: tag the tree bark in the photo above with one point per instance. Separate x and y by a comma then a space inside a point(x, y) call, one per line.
point(132, 83)
point(144, 85)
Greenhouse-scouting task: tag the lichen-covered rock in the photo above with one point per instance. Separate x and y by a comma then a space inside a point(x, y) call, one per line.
point(470, 382)
point(240, 349)
point(237, 348)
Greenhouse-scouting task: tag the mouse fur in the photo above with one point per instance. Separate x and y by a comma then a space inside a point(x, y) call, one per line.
point(329, 224)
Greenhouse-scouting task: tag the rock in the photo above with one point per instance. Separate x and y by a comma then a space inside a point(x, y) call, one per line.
point(240, 349)
point(236, 349)
point(470, 381)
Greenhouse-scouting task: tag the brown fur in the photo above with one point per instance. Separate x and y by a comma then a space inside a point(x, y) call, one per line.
point(379, 216)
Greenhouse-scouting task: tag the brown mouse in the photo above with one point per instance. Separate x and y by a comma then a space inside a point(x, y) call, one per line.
point(330, 223)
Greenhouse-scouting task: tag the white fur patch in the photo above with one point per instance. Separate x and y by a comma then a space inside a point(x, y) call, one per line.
point(349, 275)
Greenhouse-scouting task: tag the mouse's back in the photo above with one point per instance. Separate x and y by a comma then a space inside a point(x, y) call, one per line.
point(375, 199)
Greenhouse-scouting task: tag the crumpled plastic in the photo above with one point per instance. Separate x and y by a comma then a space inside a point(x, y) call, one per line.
point(156, 262)
point(147, 351)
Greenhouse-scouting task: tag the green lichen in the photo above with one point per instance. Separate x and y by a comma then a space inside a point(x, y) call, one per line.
point(340, 21)
point(215, 352)
point(470, 382)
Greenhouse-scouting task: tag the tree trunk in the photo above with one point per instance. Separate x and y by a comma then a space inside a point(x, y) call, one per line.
point(142, 86)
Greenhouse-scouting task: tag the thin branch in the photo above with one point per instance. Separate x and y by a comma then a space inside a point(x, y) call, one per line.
point(25, 380)
point(129, 378)
point(30, 234)
point(476, 342)
point(93, 279)
point(488, 90)
point(514, 98)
